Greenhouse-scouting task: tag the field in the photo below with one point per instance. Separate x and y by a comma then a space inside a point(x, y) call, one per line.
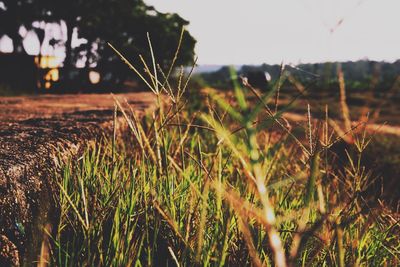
point(225, 180)
point(126, 139)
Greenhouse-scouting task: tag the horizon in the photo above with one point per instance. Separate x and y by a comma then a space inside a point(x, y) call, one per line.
point(305, 63)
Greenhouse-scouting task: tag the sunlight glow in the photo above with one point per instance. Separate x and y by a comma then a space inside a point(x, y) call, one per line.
point(293, 31)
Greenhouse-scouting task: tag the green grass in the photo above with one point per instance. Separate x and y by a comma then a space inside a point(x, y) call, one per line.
point(198, 183)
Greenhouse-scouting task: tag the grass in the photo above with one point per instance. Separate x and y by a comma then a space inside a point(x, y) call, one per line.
point(210, 181)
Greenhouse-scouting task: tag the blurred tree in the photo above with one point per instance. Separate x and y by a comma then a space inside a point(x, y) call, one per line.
point(13, 16)
point(128, 33)
point(124, 23)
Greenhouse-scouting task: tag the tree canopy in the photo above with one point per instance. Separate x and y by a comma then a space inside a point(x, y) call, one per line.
point(123, 23)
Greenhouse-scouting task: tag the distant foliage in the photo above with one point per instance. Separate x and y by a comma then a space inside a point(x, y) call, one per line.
point(359, 75)
point(123, 23)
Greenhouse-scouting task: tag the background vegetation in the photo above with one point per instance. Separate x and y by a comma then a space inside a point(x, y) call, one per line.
point(124, 23)
point(208, 179)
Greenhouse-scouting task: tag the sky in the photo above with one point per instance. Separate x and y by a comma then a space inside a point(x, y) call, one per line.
point(290, 31)
point(273, 31)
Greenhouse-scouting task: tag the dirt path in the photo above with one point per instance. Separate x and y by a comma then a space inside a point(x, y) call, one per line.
point(34, 132)
point(370, 127)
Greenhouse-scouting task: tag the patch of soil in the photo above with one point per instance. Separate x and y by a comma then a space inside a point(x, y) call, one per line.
point(35, 132)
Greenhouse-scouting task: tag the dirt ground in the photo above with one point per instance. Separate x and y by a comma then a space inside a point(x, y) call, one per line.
point(47, 106)
point(34, 132)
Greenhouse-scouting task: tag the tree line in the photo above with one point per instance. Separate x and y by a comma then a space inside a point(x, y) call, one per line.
point(359, 75)
point(124, 23)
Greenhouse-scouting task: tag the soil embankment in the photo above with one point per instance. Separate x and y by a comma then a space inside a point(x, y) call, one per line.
point(34, 133)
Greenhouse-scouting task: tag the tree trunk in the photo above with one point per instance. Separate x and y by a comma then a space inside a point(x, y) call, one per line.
point(68, 65)
point(17, 43)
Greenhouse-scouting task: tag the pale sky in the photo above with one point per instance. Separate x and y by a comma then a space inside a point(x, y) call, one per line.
point(292, 31)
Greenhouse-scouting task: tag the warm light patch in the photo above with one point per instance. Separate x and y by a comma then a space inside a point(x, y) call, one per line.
point(47, 62)
point(50, 63)
point(51, 76)
point(94, 77)
point(47, 85)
